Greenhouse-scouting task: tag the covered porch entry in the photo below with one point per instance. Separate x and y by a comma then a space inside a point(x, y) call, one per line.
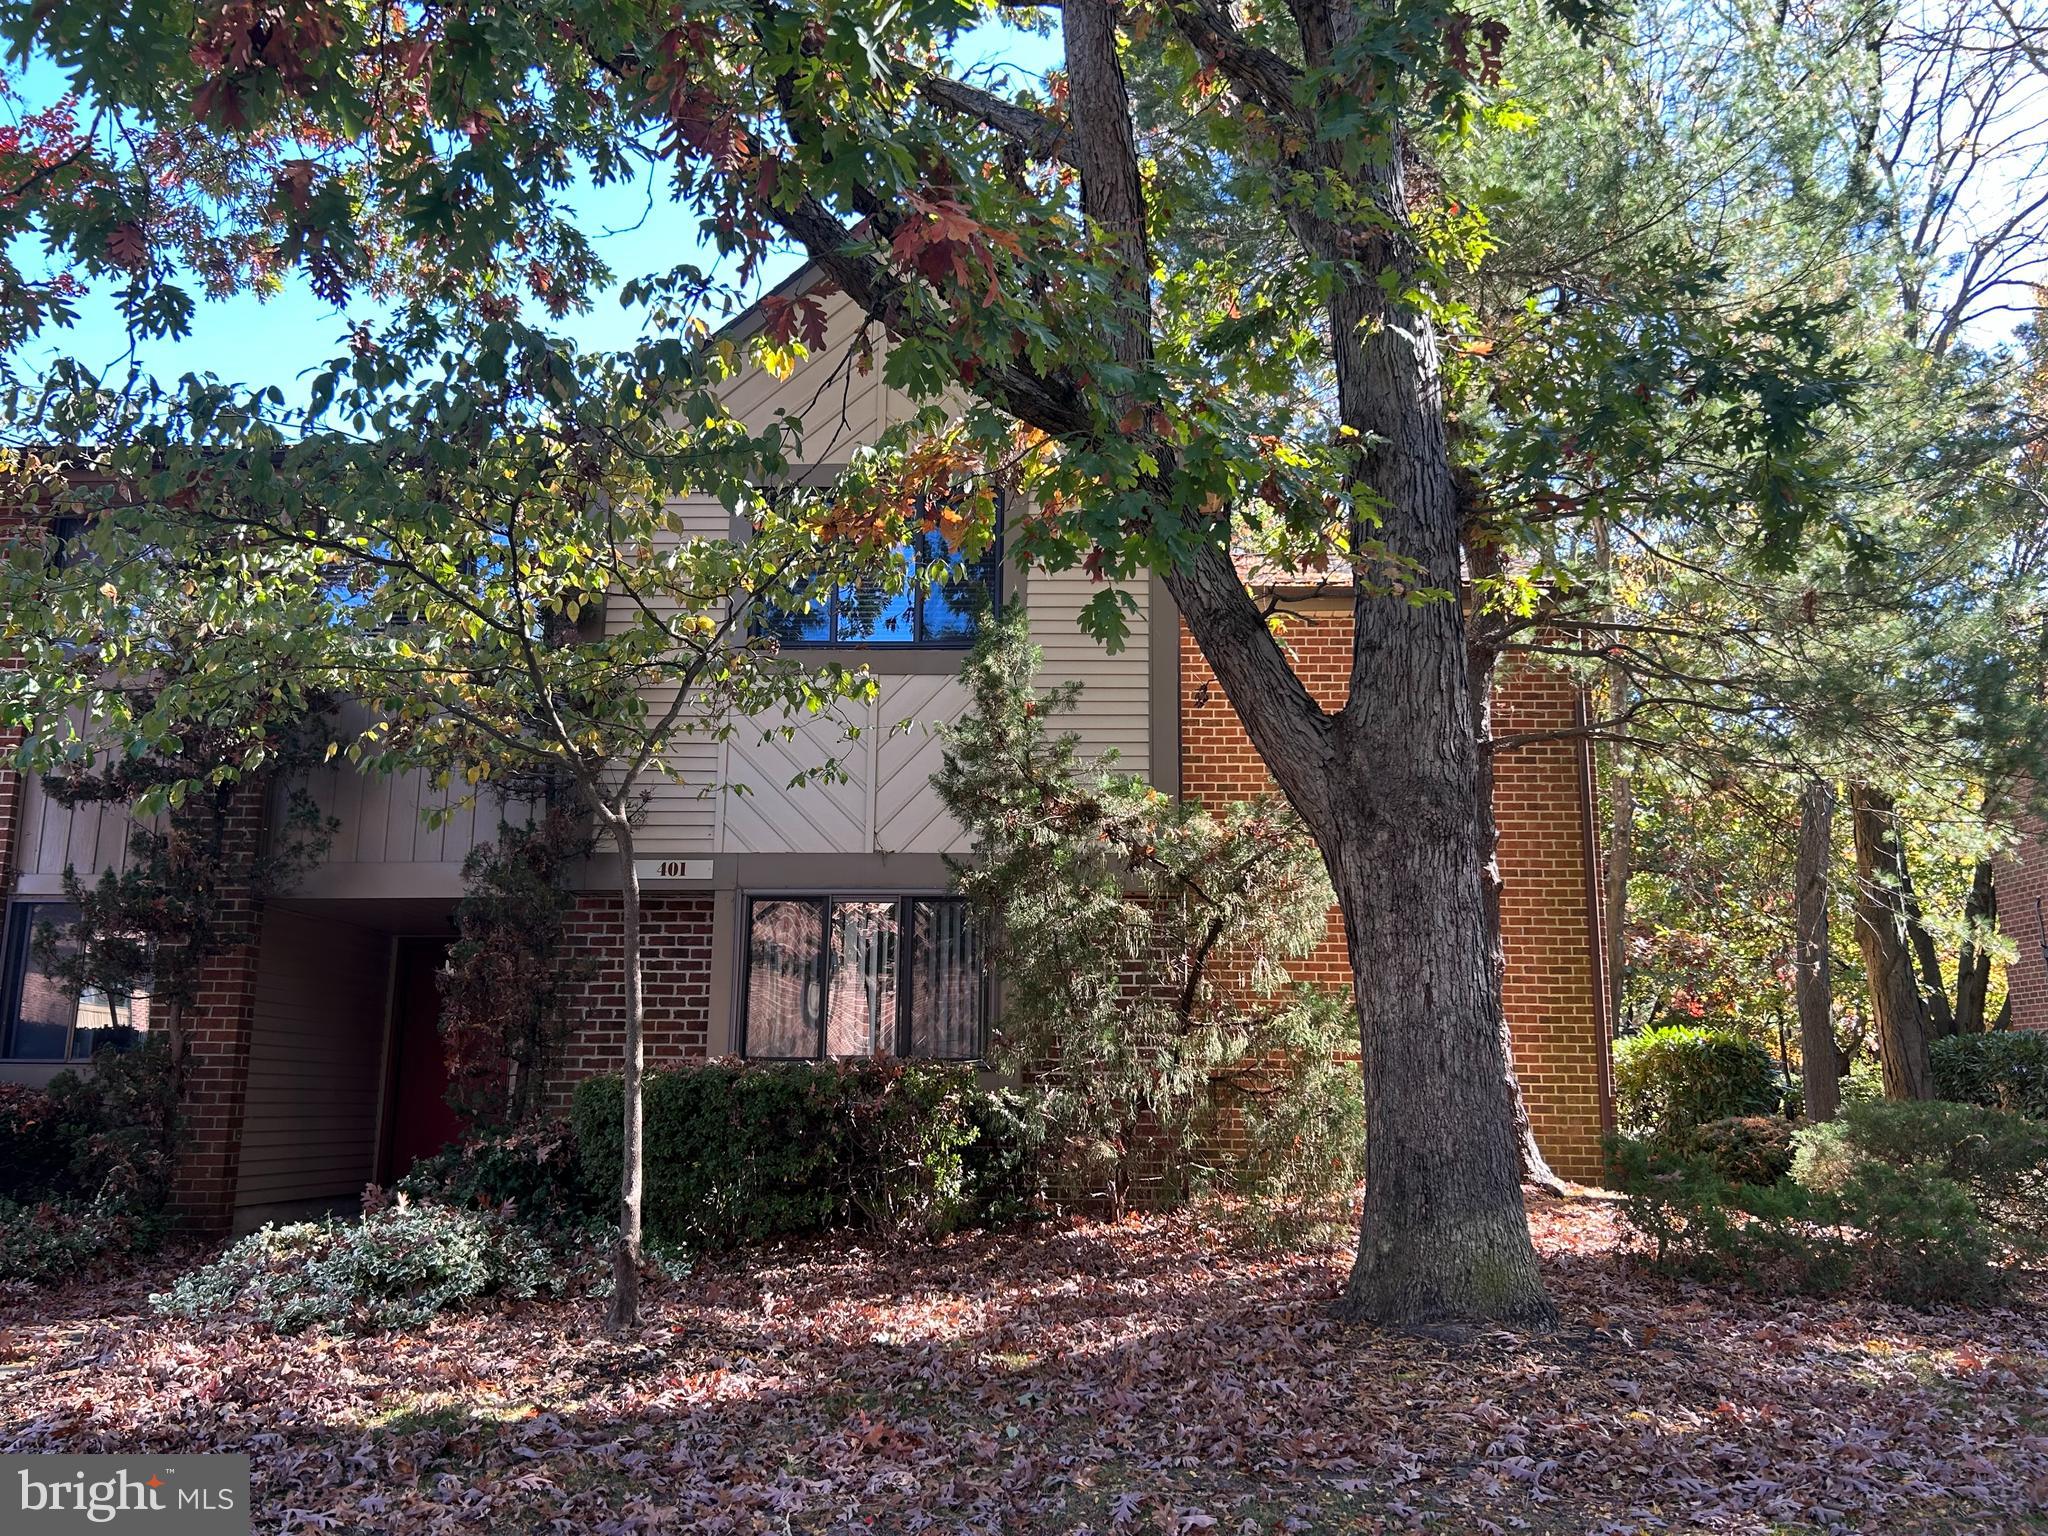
point(346, 1083)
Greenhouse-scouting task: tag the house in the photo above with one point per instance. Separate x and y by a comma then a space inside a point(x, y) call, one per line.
point(313, 1064)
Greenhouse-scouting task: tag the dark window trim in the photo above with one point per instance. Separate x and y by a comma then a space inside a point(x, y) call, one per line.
point(992, 588)
point(902, 901)
point(21, 923)
point(13, 973)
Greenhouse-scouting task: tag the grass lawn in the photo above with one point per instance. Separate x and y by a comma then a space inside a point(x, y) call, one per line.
point(1140, 1377)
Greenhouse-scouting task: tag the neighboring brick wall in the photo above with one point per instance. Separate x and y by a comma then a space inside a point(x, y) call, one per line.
point(217, 1028)
point(675, 940)
point(2022, 881)
point(1546, 923)
point(12, 520)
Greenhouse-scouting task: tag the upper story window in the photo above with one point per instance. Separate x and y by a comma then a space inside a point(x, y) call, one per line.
point(937, 602)
point(39, 1021)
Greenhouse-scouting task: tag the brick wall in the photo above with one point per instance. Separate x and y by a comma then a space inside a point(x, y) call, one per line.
point(13, 519)
point(1546, 922)
point(2022, 882)
point(675, 937)
point(216, 1030)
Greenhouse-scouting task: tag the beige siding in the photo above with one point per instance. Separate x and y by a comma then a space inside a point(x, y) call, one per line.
point(1115, 705)
point(383, 844)
point(909, 817)
point(309, 1125)
point(878, 799)
point(840, 408)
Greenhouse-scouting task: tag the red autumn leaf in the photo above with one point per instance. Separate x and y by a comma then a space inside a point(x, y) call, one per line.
point(127, 246)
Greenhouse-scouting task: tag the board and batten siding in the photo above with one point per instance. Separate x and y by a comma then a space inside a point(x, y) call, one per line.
point(382, 843)
point(89, 839)
point(316, 1062)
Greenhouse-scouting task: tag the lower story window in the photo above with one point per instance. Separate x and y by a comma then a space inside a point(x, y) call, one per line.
point(39, 1019)
point(855, 976)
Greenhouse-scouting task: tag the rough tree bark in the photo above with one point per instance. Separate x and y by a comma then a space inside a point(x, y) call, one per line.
point(1819, 1058)
point(1484, 644)
point(1885, 916)
point(625, 1309)
point(1391, 784)
point(1973, 962)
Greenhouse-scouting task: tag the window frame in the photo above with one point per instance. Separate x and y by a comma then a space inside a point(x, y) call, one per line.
point(17, 938)
point(992, 588)
point(904, 903)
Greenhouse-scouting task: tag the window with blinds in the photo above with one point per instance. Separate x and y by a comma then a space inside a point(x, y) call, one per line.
point(861, 976)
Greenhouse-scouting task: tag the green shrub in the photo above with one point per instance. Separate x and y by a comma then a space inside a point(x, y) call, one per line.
point(1004, 1162)
point(1997, 1158)
point(32, 1144)
point(1302, 1113)
point(739, 1153)
point(1924, 1204)
point(2006, 1070)
point(394, 1268)
point(1702, 1224)
point(1746, 1149)
point(85, 1165)
point(1670, 1080)
point(46, 1241)
point(533, 1176)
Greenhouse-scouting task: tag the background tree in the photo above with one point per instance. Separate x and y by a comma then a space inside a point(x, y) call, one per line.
point(1807, 169)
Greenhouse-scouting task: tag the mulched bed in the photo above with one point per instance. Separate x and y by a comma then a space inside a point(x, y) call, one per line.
point(1136, 1377)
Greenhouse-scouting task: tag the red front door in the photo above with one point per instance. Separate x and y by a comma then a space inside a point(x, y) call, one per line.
point(420, 1121)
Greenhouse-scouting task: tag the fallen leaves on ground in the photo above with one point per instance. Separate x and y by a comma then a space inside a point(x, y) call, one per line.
point(1135, 1377)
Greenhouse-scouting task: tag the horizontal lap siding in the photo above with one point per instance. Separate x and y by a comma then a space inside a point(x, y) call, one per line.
point(1115, 710)
point(309, 1128)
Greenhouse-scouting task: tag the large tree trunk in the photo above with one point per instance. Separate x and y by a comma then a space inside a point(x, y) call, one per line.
point(1484, 644)
point(1973, 963)
point(1390, 786)
point(1819, 1063)
point(1885, 916)
point(625, 1312)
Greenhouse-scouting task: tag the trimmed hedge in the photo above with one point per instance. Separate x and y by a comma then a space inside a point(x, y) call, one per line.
point(739, 1153)
point(2006, 1070)
point(1671, 1080)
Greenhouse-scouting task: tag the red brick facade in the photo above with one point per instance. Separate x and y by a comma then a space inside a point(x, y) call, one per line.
point(675, 937)
point(217, 1032)
point(12, 520)
point(1549, 911)
point(2022, 883)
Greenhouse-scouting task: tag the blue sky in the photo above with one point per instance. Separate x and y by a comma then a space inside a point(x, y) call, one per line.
point(285, 339)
